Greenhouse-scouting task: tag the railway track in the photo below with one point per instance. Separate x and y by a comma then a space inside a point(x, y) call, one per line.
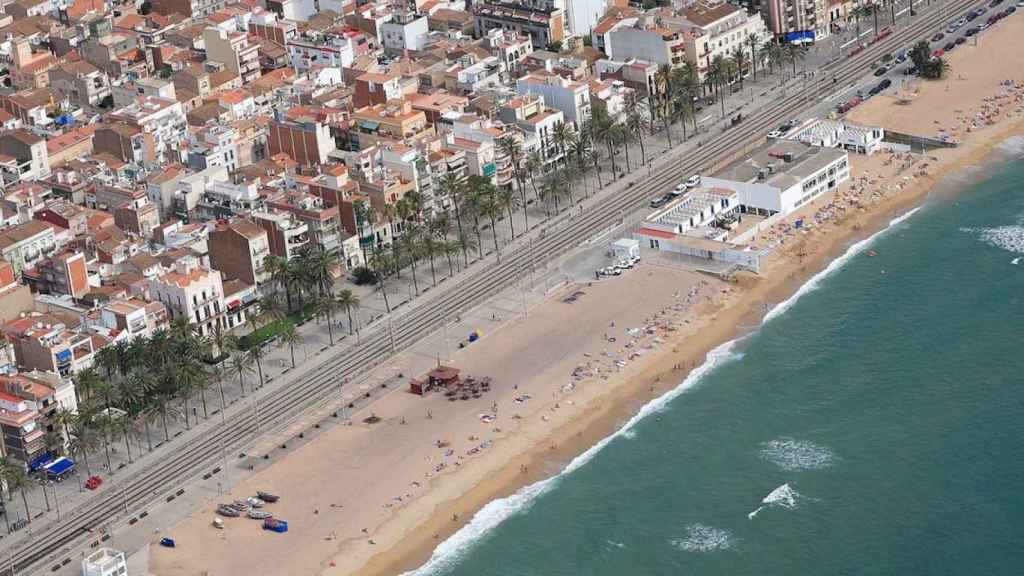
point(161, 478)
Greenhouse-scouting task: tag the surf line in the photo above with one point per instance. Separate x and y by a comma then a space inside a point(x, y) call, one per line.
point(495, 512)
point(837, 264)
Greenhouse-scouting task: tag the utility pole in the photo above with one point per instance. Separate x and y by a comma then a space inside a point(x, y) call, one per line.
point(391, 333)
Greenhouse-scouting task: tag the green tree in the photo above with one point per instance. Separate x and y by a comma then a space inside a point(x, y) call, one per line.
point(348, 300)
point(291, 336)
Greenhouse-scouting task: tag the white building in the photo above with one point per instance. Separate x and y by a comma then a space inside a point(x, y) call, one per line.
point(838, 134)
point(714, 30)
point(105, 562)
point(784, 177)
point(537, 122)
point(162, 118)
point(192, 292)
point(582, 15)
point(613, 96)
point(698, 225)
point(571, 98)
point(404, 33)
point(336, 51)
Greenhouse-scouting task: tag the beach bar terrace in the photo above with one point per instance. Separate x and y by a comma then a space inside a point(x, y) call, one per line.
point(440, 377)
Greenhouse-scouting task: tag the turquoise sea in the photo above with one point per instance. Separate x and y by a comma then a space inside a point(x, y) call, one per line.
point(873, 425)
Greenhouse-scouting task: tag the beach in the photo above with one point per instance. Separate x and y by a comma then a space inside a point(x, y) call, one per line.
point(418, 475)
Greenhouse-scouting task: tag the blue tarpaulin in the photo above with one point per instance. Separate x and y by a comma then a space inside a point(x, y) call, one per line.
point(800, 36)
point(59, 467)
point(40, 462)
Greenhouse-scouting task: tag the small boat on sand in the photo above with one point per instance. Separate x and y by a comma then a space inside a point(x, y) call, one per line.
point(240, 505)
point(254, 502)
point(268, 497)
point(258, 514)
point(225, 510)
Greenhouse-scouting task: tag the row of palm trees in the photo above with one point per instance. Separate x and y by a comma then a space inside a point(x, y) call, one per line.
point(555, 174)
point(149, 381)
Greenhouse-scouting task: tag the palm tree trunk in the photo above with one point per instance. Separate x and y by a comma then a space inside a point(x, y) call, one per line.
point(433, 273)
point(291, 349)
point(24, 500)
point(494, 235)
point(106, 449)
point(163, 413)
point(127, 446)
point(184, 403)
point(668, 131)
point(526, 212)
point(458, 223)
point(479, 238)
point(384, 292)
point(259, 368)
point(643, 150)
point(348, 310)
point(415, 283)
point(149, 439)
point(330, 330)
point(202, 395)
point(511, 225)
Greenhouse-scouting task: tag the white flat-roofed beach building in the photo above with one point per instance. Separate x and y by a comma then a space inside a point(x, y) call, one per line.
point(105, 562)
point(783, 177)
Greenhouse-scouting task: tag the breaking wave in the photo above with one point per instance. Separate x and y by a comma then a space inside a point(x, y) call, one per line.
point(1009, 238)
point(782, 497)
point(701, 538)
point(791, 454)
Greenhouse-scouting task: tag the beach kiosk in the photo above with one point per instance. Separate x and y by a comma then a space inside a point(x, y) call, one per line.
point(625, 249)
point(442, 376)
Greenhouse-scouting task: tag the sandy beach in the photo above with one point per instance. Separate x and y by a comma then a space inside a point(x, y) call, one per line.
point(377, 498)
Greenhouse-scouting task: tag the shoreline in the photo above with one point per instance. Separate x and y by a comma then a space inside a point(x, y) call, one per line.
point(738, 315)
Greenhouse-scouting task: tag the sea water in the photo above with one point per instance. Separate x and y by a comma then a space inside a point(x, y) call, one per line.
point(872, 425)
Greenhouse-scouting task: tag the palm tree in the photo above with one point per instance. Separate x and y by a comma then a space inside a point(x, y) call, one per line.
point(150, 413)
point(381, 263)
point(255, 354)
point(740, 62)
point(410, 240)
point(634, 124)
point(505, 198)
point(348, 300)
point(795, 54)
point(560, 135)
point(476, 200)
point(455, 189)
point(84, 439)
point(534, 167)
point(857, 13)
point(291, 336)
point(15, 477)
point(86, 381)
point(752, 39)
point(279, 272)
point(511, 148)
point(326, 306)
point(240, 365)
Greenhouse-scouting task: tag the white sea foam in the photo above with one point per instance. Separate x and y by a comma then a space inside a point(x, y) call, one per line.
point(629, 434)
point(449, 552)
point(1009, 238)
point(1012, 145)
point(791, 454)
point(614, 544)
point(701, 538)
point(812, 284)
point(782, 497)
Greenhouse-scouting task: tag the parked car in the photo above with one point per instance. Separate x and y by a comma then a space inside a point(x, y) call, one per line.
point(912, 71)
point(995, 3)
point(970, 17)
point(884, 84)
point(938, 37)
point(774, 135)
point(949, 45)
point(938, 53)
point(881, 71)
point(972, 31)
point(661, 201)
point(693, 181)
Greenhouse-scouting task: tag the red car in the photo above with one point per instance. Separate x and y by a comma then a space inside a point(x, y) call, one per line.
point(93, 482)
point(938, 53)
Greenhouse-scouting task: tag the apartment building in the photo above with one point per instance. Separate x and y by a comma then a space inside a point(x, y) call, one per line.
point(530, 114)
point(44, 342)
point(238, 249)
point(15, 298)
point(192, 292)
point(406, 31)
point(570, 97)
point(162, 123)
point(23, 157)
point(79, 82)
point(304, 140)
point(25, 245)
point(191, 8)
point(61, 274)
point(286, 234)
point(545, 26)
point(647, 40)
point(394, 122)
point(320, 219)
point(797, 20)
point(28, 404)
point(718, 30)
point(133, 318)
point(233, 50)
